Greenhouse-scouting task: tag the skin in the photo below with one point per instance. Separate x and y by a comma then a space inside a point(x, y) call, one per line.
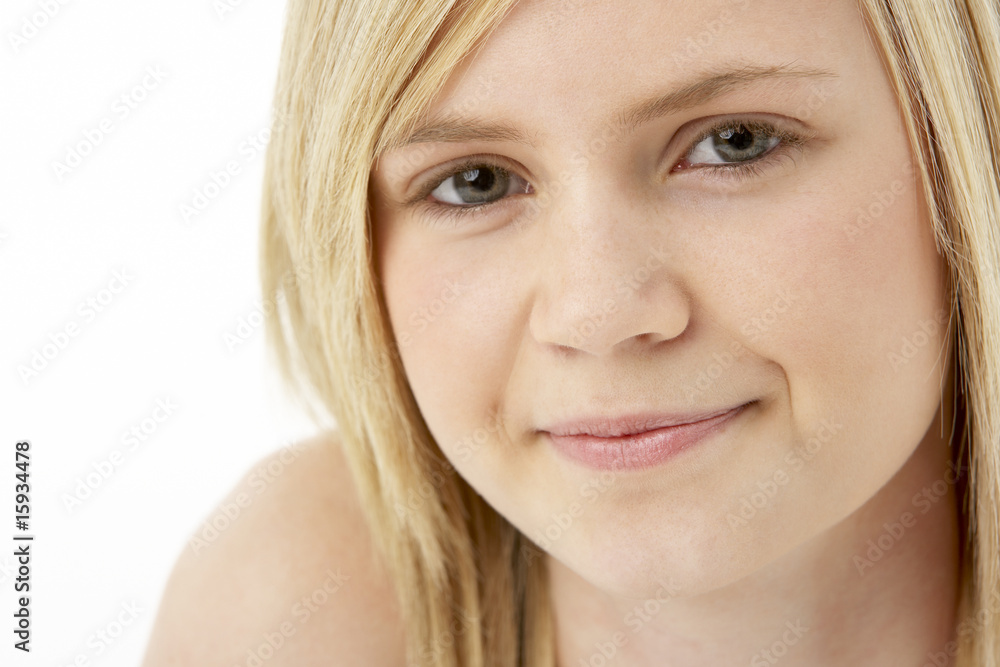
point(294, 567)
point(609, 281)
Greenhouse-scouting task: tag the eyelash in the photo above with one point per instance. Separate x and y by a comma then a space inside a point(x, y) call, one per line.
point(740, 172)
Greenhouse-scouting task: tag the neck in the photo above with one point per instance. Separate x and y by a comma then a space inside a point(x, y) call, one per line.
point(880, 587)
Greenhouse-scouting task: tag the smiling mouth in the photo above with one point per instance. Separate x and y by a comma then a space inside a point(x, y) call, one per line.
point(632, 424)
point(648, 444)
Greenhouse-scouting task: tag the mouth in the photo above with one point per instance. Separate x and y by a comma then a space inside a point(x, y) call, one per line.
point(636, 441)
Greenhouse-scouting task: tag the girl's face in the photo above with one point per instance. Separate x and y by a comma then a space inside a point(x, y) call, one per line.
point(675, 209)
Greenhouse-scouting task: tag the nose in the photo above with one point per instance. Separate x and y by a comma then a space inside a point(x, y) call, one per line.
point(607, 279)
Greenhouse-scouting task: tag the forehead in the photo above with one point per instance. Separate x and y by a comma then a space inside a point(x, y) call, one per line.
point(581, 57)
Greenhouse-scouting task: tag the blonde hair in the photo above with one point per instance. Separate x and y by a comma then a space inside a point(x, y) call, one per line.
point(355, 77)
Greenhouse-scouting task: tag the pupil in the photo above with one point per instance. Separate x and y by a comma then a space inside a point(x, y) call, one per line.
point(481, 179)
point(741, 144)
point(741, 139)
point(482, 184)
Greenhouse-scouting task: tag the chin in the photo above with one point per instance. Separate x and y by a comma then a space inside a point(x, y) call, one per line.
point(684, 560)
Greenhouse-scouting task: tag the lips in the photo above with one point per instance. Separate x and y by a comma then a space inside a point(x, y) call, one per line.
point(635, 441)
point(634, 424)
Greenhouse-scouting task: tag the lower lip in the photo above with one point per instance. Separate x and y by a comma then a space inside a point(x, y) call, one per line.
point(642, 450)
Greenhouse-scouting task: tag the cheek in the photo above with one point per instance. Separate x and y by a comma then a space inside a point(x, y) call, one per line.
point(453, 315)
point(459, 352)
point(866, 277)
point(860, 330)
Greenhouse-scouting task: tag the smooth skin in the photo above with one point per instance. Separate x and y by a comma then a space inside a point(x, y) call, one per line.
point(627, 267)
point(292, 581)
point(606, 280)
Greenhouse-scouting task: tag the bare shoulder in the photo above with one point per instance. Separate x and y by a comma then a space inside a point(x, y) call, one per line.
point(282, 572)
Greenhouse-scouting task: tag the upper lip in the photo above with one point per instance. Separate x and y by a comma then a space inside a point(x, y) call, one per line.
point(630, 424)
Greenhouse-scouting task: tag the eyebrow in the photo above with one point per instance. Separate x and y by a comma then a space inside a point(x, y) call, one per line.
point(448, 128)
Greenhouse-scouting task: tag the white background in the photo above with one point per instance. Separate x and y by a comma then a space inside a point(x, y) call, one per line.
point(162, 335)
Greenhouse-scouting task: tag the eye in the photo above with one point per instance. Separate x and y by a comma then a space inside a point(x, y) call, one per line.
point(733, 150)
point(478, 184)
point(737, 144)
